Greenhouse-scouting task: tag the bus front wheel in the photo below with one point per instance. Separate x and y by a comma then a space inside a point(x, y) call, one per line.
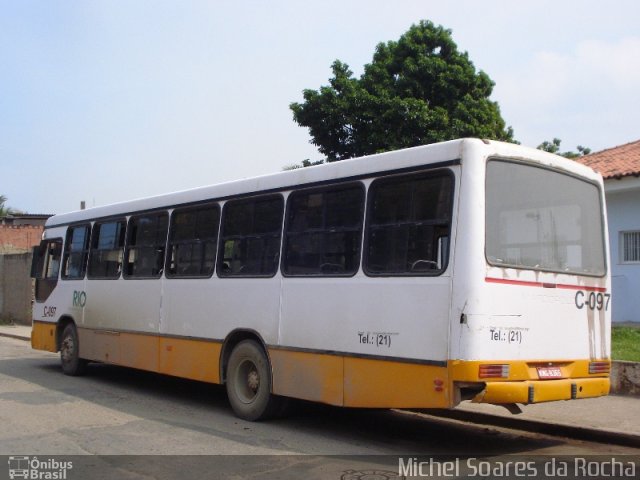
point(249, 382)
point(70, 359)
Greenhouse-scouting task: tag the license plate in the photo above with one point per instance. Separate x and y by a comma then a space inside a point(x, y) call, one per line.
point(545, 373)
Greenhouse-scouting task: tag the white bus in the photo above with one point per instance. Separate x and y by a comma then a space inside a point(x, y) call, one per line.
point(465, 270)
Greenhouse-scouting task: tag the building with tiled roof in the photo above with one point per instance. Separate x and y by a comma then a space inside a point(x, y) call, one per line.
point(616, 162)
point(620, 168)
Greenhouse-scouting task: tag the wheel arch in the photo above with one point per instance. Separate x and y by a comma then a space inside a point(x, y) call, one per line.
point(234, 338)
point(61, 325)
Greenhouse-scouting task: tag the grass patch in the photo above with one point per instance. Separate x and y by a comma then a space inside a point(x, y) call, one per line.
point(625, 343)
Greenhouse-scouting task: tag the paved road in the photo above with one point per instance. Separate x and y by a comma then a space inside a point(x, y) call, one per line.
point(116, 411)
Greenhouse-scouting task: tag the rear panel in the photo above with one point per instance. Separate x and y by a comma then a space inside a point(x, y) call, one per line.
point(532, 295)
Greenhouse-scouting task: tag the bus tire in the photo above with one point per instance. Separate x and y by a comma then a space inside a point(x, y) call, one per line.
point(70, 359)
point(249, 382)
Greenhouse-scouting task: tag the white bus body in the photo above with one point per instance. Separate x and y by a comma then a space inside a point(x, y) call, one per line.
point(479, 271)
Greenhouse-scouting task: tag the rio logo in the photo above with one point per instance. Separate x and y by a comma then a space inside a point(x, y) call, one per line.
point(79, 298)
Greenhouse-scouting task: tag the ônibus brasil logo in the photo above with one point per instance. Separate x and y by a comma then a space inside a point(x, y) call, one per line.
point(34, 469)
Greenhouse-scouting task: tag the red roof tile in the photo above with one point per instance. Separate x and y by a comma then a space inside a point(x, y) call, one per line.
point(615, 162)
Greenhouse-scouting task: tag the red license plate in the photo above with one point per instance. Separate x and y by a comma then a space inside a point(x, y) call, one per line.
point(545, 373)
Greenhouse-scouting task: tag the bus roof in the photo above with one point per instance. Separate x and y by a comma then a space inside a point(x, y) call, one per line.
point(451, 151)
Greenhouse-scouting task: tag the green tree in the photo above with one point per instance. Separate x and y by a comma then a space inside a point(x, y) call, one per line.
point(417, 90)
point(4, 210)
point(305, 163)
point(554, 147)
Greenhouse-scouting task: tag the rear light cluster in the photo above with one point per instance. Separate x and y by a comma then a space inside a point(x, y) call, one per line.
point(493, 371)
point(599, 367)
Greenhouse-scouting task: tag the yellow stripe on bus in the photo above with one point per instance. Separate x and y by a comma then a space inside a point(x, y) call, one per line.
point(333, 378)
point(383, 383)
point(43, 336)
point(194, 359)
point(358, 382)
point(308, 376)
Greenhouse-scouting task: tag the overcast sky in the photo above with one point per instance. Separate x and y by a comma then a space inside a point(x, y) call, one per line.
point(106, 101)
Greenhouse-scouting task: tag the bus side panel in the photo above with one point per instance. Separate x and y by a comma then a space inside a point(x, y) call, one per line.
point(196, 359)
point(308, 376)
point(123, 305)
point(369, 326)
point(213, 308)
point(43, 336)
point(358, 382)
point(121, 322)
point(376, 383)
point(402, 317)
point(190, 358)
point(100, 345)
point(468, 252)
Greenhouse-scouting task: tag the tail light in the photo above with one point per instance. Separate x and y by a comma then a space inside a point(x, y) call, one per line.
point(493, 371)
point(599, 367)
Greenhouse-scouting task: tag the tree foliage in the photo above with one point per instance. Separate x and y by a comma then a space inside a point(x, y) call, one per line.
point(4, 210)
point(554, 147)
point(417, 90)
point(305, 163)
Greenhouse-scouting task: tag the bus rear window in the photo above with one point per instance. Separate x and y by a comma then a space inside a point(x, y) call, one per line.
point(542, 219)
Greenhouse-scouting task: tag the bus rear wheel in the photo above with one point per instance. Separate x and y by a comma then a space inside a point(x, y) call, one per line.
point(70, 359)
point(249, 382)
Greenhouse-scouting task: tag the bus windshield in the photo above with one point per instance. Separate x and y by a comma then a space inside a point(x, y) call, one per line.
point(542, 219)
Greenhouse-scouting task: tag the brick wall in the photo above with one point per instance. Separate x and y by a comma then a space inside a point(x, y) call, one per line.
point(19, 238)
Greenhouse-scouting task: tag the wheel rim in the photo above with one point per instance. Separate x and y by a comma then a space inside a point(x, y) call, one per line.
point(67, 349)
point(247, 381)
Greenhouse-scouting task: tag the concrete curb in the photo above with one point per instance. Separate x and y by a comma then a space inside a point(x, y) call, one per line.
point(537, 426)
point(17, 336)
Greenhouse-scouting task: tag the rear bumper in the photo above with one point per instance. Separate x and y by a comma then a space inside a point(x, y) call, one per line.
point(537, 391)
point(522, 383)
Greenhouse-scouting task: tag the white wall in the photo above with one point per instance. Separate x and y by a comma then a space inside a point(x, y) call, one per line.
point(623, 208)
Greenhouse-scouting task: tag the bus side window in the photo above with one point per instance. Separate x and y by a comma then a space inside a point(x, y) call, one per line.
point(323, 231)
point(145, 246)
point(45, 267)
point(76, 251)
point(193, 239)
point(408, 223)
point(250, 237)
point(105, 256)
